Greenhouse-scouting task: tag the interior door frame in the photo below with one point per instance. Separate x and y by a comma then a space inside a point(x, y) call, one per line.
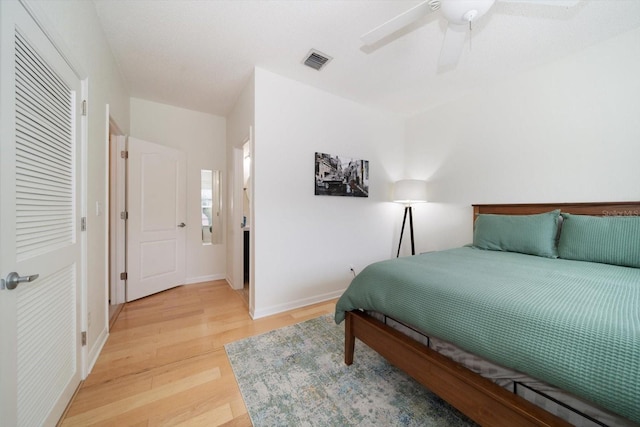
point(117, 243)
point(237, 234)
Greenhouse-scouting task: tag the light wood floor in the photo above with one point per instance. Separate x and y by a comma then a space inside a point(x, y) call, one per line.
point(164, 363)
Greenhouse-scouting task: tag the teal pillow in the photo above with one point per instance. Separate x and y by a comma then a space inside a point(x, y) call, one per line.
point(608, 239)
point(527, 234)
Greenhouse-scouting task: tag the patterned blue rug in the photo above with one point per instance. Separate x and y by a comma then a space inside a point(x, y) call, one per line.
point(296, 376)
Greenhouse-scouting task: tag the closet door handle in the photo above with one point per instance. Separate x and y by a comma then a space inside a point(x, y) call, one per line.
point(182, 225)
point(13, 279)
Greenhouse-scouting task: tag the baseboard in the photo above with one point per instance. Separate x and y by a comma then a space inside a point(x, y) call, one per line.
point(66, 409)
point(291, 305)
point(94, 353)
point(230, 282)
point(209, 278)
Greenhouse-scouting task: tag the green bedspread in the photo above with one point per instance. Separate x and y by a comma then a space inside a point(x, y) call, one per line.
point(572, 324)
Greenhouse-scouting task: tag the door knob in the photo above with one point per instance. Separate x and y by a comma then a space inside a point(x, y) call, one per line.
point(13, 279)
point(182, 225)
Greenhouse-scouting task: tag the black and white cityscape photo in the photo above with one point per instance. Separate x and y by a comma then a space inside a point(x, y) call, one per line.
point(341, 176)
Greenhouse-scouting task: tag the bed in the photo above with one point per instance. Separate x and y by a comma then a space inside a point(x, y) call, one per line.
point(562, 310)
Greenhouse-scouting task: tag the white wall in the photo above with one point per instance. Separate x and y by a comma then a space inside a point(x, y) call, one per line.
point(241, 116)
point(304, 244)
point(565, 132)
point(76, 23)
point(202, 138)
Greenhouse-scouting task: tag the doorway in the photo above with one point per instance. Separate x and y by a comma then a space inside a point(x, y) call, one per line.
point(242, 222)
point(117, 223)
point(147, 220)
point(246, 220)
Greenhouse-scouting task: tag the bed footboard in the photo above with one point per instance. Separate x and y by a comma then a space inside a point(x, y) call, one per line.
point(481, 400)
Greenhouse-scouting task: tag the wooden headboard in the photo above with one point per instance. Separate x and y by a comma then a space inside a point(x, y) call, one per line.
point(595, 208)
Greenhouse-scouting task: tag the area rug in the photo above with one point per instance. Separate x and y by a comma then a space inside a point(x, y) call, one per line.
point(296, 376)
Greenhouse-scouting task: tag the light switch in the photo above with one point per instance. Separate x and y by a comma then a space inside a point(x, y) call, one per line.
point(98, 209)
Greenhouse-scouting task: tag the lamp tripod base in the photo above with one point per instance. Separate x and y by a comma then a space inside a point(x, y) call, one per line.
point(407, 209)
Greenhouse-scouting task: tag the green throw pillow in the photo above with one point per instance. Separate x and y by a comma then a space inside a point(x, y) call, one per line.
point(609, 240)
point(527, 234)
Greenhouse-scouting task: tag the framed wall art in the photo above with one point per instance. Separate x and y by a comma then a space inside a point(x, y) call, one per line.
point(341, 176)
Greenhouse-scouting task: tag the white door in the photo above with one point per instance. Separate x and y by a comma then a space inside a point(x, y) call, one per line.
point(40, 210)
point(156, 229)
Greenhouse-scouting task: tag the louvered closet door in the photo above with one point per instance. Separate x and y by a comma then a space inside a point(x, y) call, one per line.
point(40, 224)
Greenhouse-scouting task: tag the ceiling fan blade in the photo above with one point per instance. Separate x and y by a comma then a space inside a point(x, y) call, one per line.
point(563, 3)
point(452, 45)
point(398, 22)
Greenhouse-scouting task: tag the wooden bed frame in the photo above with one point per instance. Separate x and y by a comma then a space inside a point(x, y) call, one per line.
point(477, 397)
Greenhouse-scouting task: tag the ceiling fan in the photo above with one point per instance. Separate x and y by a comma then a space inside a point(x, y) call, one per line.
point(460, 14)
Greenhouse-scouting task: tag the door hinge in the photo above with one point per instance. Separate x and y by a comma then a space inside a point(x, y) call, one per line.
point(84, 338)
point(124, 215)
point(84, 107)
point(123, 276)
point(124, 154)
point(83, 223)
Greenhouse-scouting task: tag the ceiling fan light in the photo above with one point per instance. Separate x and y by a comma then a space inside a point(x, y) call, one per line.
point(470, 15)
point(458, 12)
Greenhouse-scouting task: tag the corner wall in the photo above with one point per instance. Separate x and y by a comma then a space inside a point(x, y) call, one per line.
point(565, 132)
point(202, 138)
point(304, 244)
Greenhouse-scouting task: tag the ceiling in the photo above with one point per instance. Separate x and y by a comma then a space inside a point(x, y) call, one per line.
point(200, 54)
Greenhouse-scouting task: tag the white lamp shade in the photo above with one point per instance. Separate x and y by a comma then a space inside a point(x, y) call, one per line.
point(409, 191)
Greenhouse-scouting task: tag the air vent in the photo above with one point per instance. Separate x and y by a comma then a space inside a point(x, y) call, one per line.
point(316, 60)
